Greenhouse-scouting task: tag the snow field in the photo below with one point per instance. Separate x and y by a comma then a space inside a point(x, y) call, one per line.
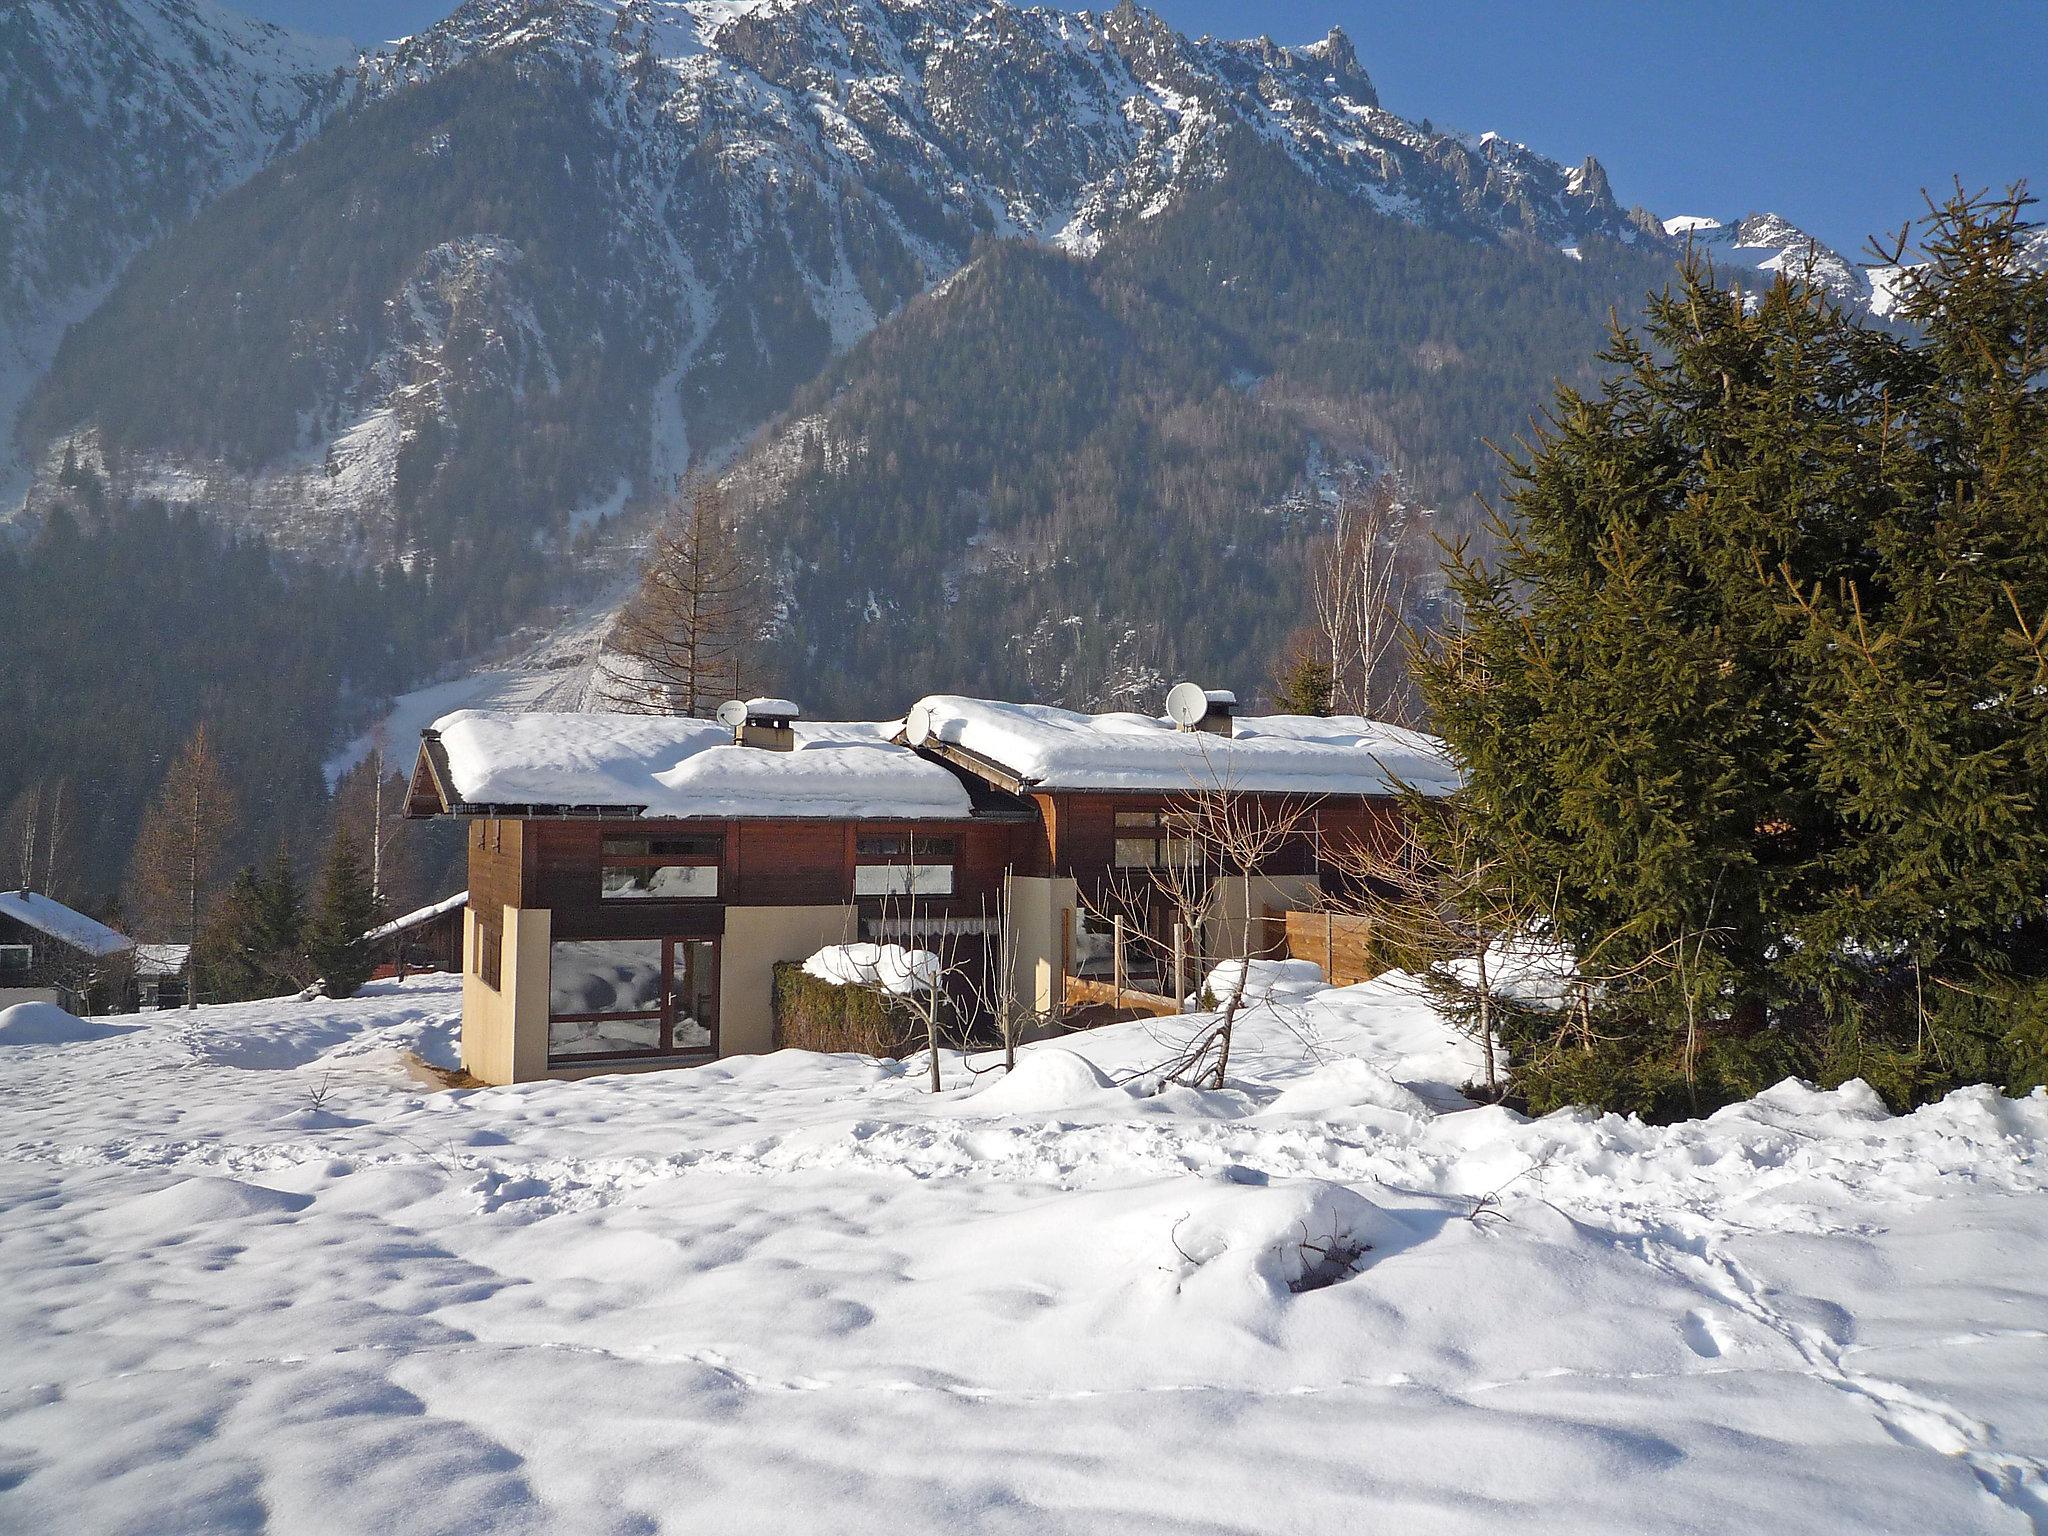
point(253, 1275)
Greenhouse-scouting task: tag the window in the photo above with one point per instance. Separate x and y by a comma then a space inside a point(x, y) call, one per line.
point(490, 940)
point(1160, 852)
point(903, 864)
point(16, 957)
point(682, 868)
point(631, 997)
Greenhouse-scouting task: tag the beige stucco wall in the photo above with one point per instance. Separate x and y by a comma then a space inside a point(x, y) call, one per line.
point(505, 1028)
point(755, 939)
point(1281, 893)
point(1040, 910)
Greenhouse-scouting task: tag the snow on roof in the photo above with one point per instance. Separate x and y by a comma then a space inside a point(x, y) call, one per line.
point(1051, 748)
point(773, 709)
point(161, 959)
point(680, 767)
point(67, 927)
point(413, 919)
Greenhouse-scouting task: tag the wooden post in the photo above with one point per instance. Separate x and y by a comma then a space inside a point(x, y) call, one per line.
point(1329, 948)
point(1180, 966)
point(1066, 956)
point(1116, 958)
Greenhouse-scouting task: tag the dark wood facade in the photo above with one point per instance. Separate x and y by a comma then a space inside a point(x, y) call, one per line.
point(34, 961)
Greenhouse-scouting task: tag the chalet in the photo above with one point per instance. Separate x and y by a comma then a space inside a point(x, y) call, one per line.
point(429, 939)
point(163, 972)
point(51, 954)
point(635, 879)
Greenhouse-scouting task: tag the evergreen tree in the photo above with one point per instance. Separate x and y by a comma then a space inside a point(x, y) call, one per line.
point(278, 932)
point(346, 909)
point(226, 967)
point(1754, 689)
point(1930, 682)
point(1305, 684)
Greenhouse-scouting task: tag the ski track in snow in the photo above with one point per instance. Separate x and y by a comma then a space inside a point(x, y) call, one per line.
point(256, 1259)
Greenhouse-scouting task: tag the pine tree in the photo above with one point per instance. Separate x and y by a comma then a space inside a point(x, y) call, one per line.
point(1755, 689)
point(226, 966)
point(278, 933)
point(345, 910)
point(1931, 689)
point(1305, 684)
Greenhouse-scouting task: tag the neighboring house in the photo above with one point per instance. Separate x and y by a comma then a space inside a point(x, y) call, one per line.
point(51, 954)
point(162, 973)
point(635, 879)
point(427, 940)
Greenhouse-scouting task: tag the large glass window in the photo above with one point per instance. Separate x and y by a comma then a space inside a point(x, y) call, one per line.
point(16, 957)
point(678, 868)
point(903, 864)
point(631, 997)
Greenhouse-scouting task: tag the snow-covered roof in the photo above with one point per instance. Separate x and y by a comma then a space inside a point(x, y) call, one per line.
point(675, 767)
point(67, 927)
point(413, 919)
point(161, 959)
point(1049, 748)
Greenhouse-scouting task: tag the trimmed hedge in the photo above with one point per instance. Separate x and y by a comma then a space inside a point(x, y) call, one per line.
point(814, 1015)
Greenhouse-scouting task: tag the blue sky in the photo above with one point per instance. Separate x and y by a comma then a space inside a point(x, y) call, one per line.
point(1832, 113)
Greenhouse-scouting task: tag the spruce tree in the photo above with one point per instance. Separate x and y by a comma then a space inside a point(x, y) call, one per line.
point(1930, 686)
point(346, 909)
point(278, 933)
point(1305, 686)
point(1754, 692)
point(226, 967)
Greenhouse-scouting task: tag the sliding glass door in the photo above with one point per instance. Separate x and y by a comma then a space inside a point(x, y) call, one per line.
point(621, 999)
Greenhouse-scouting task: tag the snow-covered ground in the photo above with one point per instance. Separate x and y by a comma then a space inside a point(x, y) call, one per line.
point(253, 1275)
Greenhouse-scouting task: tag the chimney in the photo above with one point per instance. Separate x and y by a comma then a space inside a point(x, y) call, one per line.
point(1216, 720)
point(1194, 708)
point(769, 724)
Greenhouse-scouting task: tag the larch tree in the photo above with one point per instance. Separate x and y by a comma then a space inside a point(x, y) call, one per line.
point(691, 635)
point(183, 846)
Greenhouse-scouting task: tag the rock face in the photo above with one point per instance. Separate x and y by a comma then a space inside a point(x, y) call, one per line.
point(119, 118)
point(1770, 244)
point(746, 189)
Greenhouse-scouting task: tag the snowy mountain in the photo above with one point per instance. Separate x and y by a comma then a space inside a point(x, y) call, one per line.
point(1768, 244)
point(771, 179)
point(119, 118)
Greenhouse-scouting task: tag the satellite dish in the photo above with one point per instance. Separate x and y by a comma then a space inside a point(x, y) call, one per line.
point(917, 725)
point(732, 714)
point(1187, 704)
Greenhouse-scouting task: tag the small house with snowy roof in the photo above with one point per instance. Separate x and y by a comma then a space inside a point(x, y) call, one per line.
point(51, 954)
point(635, 879)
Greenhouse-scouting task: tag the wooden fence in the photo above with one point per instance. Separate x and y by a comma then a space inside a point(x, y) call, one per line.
point(1341, 945)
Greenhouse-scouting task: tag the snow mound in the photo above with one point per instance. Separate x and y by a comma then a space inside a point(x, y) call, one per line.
point(891, 967)
point(47, 1024)
point(178, 1210)
point(1269, 981)
point(1350, 1084)
point(1280, 1238)
point(1045, 1079)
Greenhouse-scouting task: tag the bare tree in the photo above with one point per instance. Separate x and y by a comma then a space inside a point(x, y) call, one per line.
point(690, 637)
point(1210, 836)
point(1358, 594)
point(1444, 907)
point(183, 844)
